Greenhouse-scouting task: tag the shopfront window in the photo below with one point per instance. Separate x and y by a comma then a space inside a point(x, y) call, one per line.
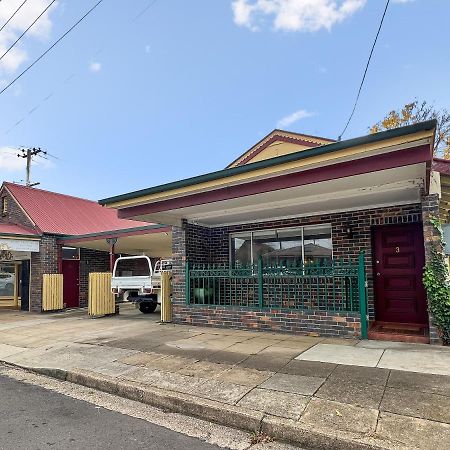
point(311, 244)
point(7, 279)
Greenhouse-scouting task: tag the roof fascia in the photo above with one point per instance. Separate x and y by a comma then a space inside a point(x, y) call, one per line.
point(137, 230)
point(304, 154)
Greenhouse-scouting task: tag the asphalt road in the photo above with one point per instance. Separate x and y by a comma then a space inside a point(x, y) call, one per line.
point(32, 417)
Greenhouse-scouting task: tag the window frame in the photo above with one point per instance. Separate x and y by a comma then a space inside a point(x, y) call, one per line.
point(4, 205)
point(301, 230)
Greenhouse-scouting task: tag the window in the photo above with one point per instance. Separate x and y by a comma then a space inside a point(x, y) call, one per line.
point(317, 244)
point(310, 244)
point(241, 250)
point(4, 206)
point(7, 279)
point(70, 253)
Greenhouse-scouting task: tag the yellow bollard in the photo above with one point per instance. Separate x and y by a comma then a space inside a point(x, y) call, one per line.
point(166, 302)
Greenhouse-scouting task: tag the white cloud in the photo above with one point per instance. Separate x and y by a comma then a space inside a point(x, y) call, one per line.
point(95, 67)
point(294, 15)
point(9, 161)
point(294, 117)
point(147, 48)
point(19, 23)
point(403, 1)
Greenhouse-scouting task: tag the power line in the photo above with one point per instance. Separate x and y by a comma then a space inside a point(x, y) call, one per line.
point(365, 72)
point(13, 14)
point(25, 32)
point(69, 78)
point(51, 47)
point(144, 10)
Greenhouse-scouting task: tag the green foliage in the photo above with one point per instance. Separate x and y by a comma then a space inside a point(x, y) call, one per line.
point(437, 284)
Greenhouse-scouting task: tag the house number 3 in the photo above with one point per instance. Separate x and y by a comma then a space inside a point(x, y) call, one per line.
point(397, 249)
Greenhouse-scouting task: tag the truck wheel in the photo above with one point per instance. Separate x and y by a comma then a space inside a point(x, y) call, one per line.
point(147, 308)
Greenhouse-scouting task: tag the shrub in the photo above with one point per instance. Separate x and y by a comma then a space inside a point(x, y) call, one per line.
point(437, 284)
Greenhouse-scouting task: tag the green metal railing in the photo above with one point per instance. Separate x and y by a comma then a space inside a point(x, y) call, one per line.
point(338, 285)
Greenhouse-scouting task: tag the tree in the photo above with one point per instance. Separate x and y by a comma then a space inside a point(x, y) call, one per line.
point(415, 112)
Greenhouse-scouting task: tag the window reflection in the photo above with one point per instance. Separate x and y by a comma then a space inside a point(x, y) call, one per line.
point(7, 279)
point(317, 245)
point(311, 245)
point(241, 251)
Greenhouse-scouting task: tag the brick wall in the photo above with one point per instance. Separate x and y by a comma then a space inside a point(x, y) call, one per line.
point(90, 261)
point(15, 213)
point(313, 323)
point(44, 261)
point(430, 207)
point(198, 243)
point(361, 223)
point(201, 244)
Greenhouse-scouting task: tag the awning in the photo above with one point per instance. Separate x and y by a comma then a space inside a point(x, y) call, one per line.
point(388, 168)
point(152, 240)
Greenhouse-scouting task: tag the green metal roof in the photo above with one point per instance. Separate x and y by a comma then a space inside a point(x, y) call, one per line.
point(303, 154)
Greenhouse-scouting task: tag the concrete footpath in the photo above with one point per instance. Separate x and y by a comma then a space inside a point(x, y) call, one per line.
point(311, 391)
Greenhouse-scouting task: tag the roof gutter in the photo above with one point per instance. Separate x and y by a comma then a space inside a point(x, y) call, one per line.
point(18, 235)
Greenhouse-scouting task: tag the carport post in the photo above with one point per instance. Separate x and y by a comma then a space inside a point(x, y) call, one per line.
point(112, 242)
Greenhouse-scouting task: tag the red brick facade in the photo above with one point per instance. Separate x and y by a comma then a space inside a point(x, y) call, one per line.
point(211, 245)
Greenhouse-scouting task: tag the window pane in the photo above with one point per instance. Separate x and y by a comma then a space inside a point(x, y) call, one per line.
point(318, 246)
point(7, 280)
point(70, 253)
point(241, 251)
point(137, 267)
point(278, 246)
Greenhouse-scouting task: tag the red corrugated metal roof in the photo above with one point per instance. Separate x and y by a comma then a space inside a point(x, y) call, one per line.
point(63, 214)
point(441, 165)
point(10, 228)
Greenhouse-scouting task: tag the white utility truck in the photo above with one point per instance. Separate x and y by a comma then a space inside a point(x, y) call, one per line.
point(134, 278)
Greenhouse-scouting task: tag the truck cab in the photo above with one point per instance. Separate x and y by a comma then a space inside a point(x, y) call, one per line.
point(135, 279)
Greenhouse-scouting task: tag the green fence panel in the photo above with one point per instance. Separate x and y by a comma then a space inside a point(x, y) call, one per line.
point(329, 286)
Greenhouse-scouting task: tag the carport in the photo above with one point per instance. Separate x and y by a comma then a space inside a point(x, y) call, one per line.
point(81, 255)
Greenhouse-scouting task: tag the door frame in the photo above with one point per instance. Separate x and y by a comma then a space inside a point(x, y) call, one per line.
point(374, 228)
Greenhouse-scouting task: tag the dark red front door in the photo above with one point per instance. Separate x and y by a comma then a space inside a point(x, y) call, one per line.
point(71, 283)
point(398, 267)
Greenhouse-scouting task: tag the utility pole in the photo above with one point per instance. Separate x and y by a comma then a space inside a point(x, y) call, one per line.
point(28, 153)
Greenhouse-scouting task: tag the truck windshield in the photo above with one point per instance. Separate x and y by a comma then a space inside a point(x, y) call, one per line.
point(132, 268)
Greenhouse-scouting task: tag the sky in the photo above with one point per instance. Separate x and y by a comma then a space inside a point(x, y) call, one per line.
point(146, 92)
